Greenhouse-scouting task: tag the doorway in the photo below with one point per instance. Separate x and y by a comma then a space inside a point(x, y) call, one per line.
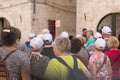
point(51, 27)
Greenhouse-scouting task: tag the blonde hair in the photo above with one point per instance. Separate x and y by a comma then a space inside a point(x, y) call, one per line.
point(82, 39)
point(113, 42)
point(63, 44)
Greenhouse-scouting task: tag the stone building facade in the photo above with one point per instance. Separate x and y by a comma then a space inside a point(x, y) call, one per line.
point(34, 15)
point(91, 12)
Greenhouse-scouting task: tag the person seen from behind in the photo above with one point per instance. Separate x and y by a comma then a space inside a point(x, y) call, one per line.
point(106, 34)
point(48, 48)
point(17, 64)
point(38, 61)
point(55, 69)
point(114, 56)
point(76, 46)
point(99, 63)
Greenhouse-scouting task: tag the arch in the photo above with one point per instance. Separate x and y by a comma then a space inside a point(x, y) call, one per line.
point(8, 17)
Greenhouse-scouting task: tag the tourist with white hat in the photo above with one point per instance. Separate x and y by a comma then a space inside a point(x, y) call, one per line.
point(90, 48)
point(48, 48)
point(99, 63)
point(27, 43)
point(38, 61)
point(64, 34)
point(106, 34)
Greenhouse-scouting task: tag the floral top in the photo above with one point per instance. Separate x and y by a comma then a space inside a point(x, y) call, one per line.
point(97, 60)
point(15, 62)
point(38, 65)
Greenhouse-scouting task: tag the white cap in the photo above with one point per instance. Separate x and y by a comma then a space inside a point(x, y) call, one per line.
point(32, 35)
point(100, 43)
point(77, 36)
point(45, 31)
point(65, 34)
point(36, 43)
point(40, 36)
point(48, 37)
point(106, 30)
point(97, 35)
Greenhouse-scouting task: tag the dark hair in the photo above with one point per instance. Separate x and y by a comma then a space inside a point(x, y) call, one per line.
point(75, 45)
point(10, 35)
point(84, 29)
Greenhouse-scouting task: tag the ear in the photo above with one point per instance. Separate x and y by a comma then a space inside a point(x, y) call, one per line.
point(16, 42)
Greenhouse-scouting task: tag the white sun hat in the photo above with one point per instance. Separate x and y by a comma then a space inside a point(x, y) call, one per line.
point(32, 35)
point(36, 43)
point(106, 30)
point(47, 38)
point(97, 35)
point(100, 43)
point(65, 34)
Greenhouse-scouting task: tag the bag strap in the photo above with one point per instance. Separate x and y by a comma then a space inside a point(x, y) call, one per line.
point(63, 62)
point(116, 59)
point(105, 58)
point(8, 55)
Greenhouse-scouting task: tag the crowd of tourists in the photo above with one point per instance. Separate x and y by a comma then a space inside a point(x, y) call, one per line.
point(96, 55)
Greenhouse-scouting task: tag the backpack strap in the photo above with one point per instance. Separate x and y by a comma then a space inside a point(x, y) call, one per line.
point(105, 58)
point(63, 62)
point(116, 59)
point(8, 55)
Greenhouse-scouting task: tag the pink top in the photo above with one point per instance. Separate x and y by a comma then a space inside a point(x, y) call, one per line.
point(112, 54)
point(97, 60)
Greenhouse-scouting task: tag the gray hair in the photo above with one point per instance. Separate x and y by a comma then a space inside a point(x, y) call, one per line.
point(91, 32)
point(63, 44)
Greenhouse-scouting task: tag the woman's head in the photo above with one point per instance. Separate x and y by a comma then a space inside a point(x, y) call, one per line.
point(75, 45)
point(113, 42)
point(10, 35)
point(61, 45)
point(100, 44)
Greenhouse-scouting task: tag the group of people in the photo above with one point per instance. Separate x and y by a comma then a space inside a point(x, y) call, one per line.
point(97, 55)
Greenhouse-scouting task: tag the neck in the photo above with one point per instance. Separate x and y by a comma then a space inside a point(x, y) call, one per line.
point(113, 49)
point(9, 47)
point(64, 54)
point(47, 46)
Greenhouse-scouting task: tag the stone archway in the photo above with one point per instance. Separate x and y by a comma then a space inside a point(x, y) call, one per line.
point(5, 20)
point(112, 20)
point(7, 17)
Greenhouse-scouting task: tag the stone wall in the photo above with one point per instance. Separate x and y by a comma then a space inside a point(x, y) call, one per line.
point(65, 11)
point(18, 13)
point(90, 12)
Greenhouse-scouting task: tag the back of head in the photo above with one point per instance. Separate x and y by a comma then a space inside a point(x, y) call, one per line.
point(48, 39)
point(10, 35)
point(45, 31)
point(36, 43)
point(100, 44)
point(97, 35)
point(31, 35)
point(63, 44)
point(75, 45)
point(113, 42)
point(65, 34)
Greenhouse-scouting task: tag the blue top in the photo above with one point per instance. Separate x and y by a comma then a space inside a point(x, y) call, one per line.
point(90, 41)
